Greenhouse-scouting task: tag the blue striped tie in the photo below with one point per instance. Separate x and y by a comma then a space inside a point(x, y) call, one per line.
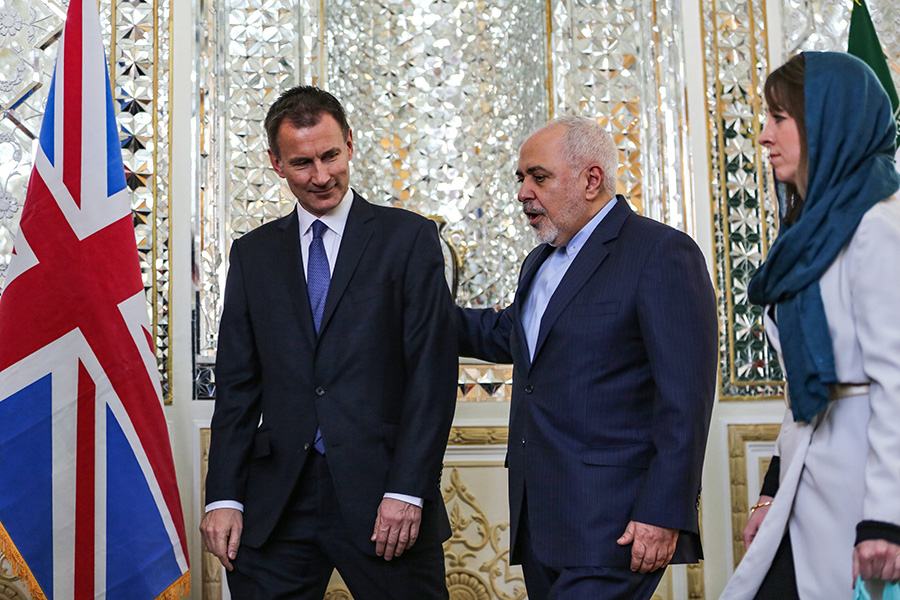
point(318, 276)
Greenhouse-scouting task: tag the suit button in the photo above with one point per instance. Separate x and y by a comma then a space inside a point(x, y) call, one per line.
point(529, 388)
point(306, 446)
point(523, 441)
point(320, 391)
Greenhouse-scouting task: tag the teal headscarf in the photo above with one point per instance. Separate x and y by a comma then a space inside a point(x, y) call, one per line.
point(850, 146)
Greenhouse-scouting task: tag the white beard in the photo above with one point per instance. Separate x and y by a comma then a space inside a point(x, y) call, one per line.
point(547, 232)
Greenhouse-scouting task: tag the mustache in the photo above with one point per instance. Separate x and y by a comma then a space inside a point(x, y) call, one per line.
point(529, 207)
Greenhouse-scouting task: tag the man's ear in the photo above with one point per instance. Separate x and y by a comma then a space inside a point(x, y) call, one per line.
point(276, 164)
point(349, 144)
point(594, 184)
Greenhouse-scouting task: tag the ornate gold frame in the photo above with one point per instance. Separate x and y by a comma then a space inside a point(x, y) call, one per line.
point(738, 436)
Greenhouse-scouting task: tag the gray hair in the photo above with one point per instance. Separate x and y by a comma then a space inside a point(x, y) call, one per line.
point(586, 142)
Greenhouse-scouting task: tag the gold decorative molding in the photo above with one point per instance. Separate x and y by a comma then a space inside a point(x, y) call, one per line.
point(474, 537)
point(11, 587)
point(465, 585)
point(338, 592)
point(478, 435)
point(696, 588)
point(8, 592)
point(13, 568)
point(738, 437)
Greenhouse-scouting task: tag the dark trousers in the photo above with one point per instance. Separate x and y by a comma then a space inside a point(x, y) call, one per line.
point(579, 583)
point(780, 582)
point(311, 540)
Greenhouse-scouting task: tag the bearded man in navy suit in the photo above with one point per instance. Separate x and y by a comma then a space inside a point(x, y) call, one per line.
point(336, 384)
point(613, 339)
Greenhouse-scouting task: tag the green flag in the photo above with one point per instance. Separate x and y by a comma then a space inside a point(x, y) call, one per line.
point(864, 44)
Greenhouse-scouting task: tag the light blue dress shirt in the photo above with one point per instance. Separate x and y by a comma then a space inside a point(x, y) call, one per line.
point(550, 274)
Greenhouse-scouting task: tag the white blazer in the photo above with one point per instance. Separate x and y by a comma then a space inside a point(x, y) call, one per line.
point(844, 467)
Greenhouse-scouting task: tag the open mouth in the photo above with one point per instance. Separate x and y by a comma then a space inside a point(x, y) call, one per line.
point(533, 214)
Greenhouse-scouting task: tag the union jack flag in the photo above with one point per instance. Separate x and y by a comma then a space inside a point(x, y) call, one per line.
point(89, 505)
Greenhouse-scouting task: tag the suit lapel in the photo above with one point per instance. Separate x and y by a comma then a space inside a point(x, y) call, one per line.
point(293, 273)
point(530, 268)
point(357, 233)
point(585, 264)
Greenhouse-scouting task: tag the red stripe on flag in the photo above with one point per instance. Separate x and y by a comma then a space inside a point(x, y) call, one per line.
point(149, 339)
point(84, 487)
point(73, 102)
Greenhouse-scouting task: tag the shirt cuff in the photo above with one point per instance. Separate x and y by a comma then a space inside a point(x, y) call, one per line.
point(408, 499)
point(225, 504)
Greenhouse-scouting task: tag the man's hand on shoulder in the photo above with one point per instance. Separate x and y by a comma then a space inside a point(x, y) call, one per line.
point(221, 530)
point(396, 527)
point(652, 547)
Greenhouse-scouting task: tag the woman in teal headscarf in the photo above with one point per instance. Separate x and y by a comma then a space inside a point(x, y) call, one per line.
point(830, 505)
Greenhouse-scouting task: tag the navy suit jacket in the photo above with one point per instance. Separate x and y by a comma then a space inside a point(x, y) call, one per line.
point(379, 379)
point(609, 422)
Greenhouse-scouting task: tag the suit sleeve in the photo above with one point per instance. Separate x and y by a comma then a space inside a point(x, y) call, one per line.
point(484, 333)
point(238, 392)
point(429, 332)
point(677, 315)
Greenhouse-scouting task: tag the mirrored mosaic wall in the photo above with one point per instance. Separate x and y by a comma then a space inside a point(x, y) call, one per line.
point(441, 96)
point(622, 61)
point(28, 35)
point(744, 218)
point(741, 187)
point(445, 93)
point(825, 25)
point(137, 36)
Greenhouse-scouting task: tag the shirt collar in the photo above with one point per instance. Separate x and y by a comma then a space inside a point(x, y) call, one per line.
point(585, 232)
point(335, 219)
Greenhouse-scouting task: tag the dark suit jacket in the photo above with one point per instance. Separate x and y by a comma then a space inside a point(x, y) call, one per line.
point(380, 379)
point(609, 422)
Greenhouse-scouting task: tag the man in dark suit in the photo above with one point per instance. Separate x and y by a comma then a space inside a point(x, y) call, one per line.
point(336, 384)
point(612, 334)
